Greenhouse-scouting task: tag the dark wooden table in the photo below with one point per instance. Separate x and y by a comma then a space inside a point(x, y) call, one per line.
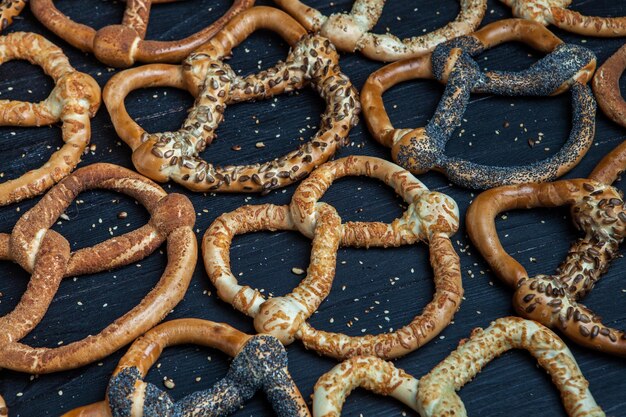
point(374, 290)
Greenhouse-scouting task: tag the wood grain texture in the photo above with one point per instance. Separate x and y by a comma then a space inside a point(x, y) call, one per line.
point(374, 289)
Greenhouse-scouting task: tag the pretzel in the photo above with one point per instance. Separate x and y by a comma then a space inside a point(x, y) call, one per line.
point(122, 45)
point(431, 217)
point(555, 12)
point(606, 87)
point(8, 10)
point(434, 395)
point(73, 101)
point(260, 363)
point(175, 155)
point(350, 32)
point(46, 255)
point(598, 210)
point(566, 66)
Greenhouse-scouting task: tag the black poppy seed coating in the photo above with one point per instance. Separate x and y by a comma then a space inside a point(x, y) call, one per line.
point(556, 69)
point(261, 364)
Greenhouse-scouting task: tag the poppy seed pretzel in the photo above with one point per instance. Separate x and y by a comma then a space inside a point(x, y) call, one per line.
point(124, 44)
point(260, 363)
point(313, 61)
point(8, 10)
point(555, 12)
point(597, 210)
point(73, 101)
point(434, 395)
point(566, 66)
point(32, 244)
point(431, 217)
point(351, 31)
point(606, 87)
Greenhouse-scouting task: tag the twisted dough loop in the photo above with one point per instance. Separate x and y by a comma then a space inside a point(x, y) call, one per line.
point(73, 101)
point(555, 12)
point(351, 31)
point(420, 150)
point(606, 87)
point(8, 10)
point(431, 217)
point(46, 255)
point(175, 155)
point(122, 45)
point(434, 395)
point(597, 210)
point(260, 362)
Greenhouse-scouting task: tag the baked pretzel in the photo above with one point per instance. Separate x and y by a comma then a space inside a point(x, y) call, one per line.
point(46, 255)
point(122, 45)
point(555, 12)
point(73, 101)
point(260, 363)
point(598, 210)
point(351, 31)
point(566, 66)
point(606, 87)
point(175, 155)
point(8, 10)
point(434, 395)
point(431, 217)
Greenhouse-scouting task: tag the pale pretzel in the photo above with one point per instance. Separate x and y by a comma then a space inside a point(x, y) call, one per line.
point(175, 155)
point(46, 255)
point(567, 66)
point(431, 217)
point(350, 32)
point(122, 45)
point(8, 10)
point(606, 87)
point(555, 12)
point(434, 395)
point(598, 210)
point(260, 363)
point(73, 101)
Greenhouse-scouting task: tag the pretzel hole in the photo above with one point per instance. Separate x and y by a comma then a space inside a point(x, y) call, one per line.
point(276, 254)
point(600, 8)
point(417, 111)
point(12, 287)
point(259, 51)
point(24, 81)
point(27, 148)
point(381, 406)
point(385, 288)
point(506, 382)
point(405, 19)
point(264, 130)
point(93, 13)
point(159, 109)
point(513, 131)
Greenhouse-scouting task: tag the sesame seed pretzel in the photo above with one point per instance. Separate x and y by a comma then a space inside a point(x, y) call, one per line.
point(566, 66)
point(8, 10)
point(434, 395)
point(122, 45)
point(73, 101)
point(313, 61)
point(351, 31)
point(260, 363)
point(606, 87)
point(597, 210)
point(431, 217)
point(46, 255)
point(555, 12)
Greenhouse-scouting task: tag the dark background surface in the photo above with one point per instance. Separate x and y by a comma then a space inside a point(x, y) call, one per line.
point(374, 289)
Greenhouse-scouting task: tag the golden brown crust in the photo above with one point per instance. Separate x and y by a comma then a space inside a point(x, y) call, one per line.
point(431, 217)
point(606, 87)
point(598, 210)
point(175, 155)
point(123, 45)
point(46, 255)
point(73, 101)
point(350, 32)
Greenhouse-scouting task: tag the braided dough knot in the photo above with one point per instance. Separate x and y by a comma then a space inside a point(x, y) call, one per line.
point(75, 92)
point(538, 10)
point(431, 213)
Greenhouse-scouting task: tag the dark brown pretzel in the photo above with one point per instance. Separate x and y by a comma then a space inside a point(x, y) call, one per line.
point(606, 87)
point(567, 66)
point(175, 155)
point(46, 254)
point(598, 210)
point(123, 45)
